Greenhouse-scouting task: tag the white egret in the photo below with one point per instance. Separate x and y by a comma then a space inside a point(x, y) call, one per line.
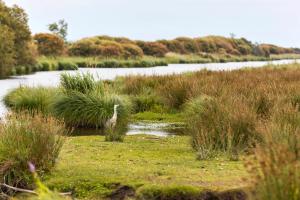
point(112, 122)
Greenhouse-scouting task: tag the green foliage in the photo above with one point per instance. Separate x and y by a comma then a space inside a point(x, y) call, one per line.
point(66, 66)
point(216, 128)
point(147, 102)
point(25, 138)
point(49, 44)
point(84, 83)
point(89, 110)
point(213, 128)
point(15, 39)
point(7, 53)
point(59, 28)
point(32, 100)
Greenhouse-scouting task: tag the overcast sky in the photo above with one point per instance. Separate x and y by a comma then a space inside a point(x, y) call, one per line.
point(269, 21)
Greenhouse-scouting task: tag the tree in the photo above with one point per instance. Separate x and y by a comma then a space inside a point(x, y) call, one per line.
point(7, 53)
point(59, 28)
point(49, 44)
point(15, 38)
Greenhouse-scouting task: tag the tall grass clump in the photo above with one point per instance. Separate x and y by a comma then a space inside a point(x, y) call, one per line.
point(176, 92)
point(92, 110)
point(26, 138)
point(214, 129)
point(276, 166)
point(84, 83)
point(32, 100)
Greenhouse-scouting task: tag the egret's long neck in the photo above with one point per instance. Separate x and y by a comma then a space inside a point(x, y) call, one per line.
point(115, 113)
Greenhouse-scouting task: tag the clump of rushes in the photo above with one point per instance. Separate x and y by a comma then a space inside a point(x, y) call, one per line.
point(91, 110)
point(66, 66)
point(216, 129)
point(276, 167)
point(85, 105)
point(24, 138)
point(84, 83)
point(32, 100)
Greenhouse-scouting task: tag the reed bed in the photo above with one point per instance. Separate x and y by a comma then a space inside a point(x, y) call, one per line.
point(26, 138)
point(32, 100)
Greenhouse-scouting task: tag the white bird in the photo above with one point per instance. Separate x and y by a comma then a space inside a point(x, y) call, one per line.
point(111, 123)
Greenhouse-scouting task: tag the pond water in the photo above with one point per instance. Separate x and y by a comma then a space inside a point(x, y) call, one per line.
point(140, 127)
point(156, 129)
point(52, 78)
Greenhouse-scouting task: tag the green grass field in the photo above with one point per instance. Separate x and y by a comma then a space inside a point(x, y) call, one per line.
point(93, 168)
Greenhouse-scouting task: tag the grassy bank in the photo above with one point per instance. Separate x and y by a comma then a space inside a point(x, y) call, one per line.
point(148, 61)
point(93, 168)
point(73, 63)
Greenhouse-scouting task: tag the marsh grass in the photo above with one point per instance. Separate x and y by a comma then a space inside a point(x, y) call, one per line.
point(276, 166)
point(84, 83)
point(90, 110)
point(224, 110)
point(26, 138)
point(214, 129)
point(31, 99)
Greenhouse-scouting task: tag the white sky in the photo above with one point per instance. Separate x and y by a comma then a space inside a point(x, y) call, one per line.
point(269, 21)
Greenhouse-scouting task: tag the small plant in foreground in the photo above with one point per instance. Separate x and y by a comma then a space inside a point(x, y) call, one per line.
point(24, 138)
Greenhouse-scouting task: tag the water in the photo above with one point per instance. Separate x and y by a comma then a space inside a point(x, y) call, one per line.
point(156, 129)
point(141, 127)
point(52, 78)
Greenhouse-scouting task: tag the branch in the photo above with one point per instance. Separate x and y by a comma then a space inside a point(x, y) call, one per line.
point(30, 191)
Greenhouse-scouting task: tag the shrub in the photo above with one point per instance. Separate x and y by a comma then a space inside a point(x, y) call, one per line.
point(84, 83)
point(84, 48)
point(190, 45)
point(25, 138)
point(153, 48)
point(15, 39)
point(66, 66)
point(111, 49)
point(6, 50)
point(45, 66)
point(49, 44)
point(32, 100)
point(132, 51)
point(174, 46)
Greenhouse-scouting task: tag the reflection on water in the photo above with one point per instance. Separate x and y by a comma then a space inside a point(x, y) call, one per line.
point(52, 78)
point(157, 129)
